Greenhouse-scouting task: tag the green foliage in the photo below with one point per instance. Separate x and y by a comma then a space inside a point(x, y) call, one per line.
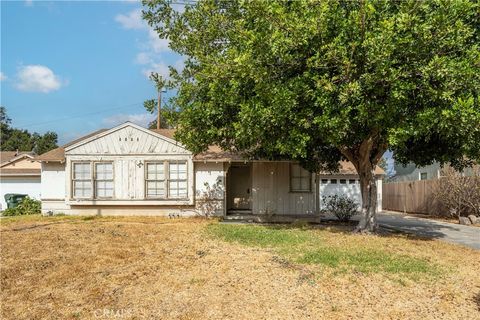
point(328, 80)
point(27, 206)
point(13, 139)
point(342, 207)
point(169, 116)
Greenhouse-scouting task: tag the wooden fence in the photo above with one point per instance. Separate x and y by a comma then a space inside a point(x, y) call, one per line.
point(411, 196)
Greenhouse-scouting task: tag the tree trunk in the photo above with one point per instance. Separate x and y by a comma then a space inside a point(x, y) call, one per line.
point(368, 188)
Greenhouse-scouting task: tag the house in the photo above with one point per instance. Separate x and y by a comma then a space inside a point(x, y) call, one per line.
point(411, 172)
point(18, 174)
point(130, 170)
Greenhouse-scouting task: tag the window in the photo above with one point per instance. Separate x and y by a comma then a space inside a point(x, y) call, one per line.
point(82, 180)
point(166, 179)
point(155, 180)
point(351, 181)
point(104, 180)
point(324, 181)
point(300, 179)
point(177, 179)
point(423, 176)
point(333, 181)
point(343, 181)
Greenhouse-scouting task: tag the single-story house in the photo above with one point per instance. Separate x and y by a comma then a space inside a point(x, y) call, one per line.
point(18, 174)
point(130, 170)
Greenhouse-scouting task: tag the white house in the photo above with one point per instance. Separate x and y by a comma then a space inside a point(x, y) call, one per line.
point(18, 174)
point(130, 170)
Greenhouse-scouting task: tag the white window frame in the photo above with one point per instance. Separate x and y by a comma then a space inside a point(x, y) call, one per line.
point(178, 180)
point(92, 179)
point(74, 179)
point(95, 179)
point(166, 180)
point(309, 177)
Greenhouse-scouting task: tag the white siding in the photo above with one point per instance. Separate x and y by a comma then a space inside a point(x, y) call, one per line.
point(129, 180)
point(271, 191)
point(22, 185)
point(53, 181)
point(212, 174)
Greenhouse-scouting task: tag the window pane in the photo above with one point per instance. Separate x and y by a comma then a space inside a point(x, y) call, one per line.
point(333, 181)
point(155, 171)
point(104, 171)
point(305, 184)
point(324, 181)
point(81, 171)
point(343, 181)
point(104, 188)
point(351, 181)
point(182, 170)
point(82, 189)
point(155, 189)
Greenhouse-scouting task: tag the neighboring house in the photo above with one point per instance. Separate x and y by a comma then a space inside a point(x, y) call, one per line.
point(130, 170)
point(411, 172)
point(18, 174)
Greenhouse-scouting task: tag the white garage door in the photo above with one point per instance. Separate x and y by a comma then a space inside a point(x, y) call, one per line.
point(340, 186)
point(24, 185)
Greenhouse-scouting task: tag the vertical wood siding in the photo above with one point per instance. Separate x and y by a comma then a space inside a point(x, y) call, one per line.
point(271, 191)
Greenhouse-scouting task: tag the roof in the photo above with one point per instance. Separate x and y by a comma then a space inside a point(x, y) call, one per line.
point(7, 156)
point(346, 168)
point(58, 154)
point(20, 172)
point(213, 153)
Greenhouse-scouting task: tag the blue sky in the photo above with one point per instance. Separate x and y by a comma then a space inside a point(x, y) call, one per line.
point(74, 67)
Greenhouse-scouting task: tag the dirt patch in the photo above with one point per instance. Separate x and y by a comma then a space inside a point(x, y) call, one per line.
point(135, 268)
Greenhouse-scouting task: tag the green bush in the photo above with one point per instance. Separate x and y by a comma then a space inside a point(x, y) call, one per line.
point(26, 207)
point(342, 207)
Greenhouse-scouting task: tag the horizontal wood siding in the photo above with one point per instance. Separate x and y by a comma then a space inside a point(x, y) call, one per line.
point(271, 191)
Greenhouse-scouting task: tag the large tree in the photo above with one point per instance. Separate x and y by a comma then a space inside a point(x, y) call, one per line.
point(321, 81)
point(13, 139)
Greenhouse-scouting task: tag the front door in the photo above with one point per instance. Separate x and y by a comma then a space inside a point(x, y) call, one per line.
point(239, 188)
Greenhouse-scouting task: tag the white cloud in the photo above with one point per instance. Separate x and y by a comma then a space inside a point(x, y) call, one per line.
point(156, 43)
point(3, 76)
point(142, 119)
point(132, 20)
point(37, 78)
point(153, 46)
point(143, 58)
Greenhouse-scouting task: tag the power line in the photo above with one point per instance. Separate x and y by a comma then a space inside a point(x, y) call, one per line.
point(79, 115)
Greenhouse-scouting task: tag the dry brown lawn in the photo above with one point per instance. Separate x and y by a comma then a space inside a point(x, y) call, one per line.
point(155, 268)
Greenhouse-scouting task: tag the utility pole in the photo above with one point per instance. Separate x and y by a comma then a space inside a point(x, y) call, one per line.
point(158, 107)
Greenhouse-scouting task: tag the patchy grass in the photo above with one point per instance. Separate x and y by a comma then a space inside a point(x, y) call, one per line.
point(157, 268)
point(303, 245)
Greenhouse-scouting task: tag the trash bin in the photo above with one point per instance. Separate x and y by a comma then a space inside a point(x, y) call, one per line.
point(13, 199)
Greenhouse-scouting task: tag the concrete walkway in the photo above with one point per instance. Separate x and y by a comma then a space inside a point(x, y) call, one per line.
point(454, 233)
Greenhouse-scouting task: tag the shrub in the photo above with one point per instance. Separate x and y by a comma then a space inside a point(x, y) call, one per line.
point(459, 192)
point(26, 207)
point(342, 207)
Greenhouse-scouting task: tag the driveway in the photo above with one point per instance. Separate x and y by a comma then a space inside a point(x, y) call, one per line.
point(454, 233)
